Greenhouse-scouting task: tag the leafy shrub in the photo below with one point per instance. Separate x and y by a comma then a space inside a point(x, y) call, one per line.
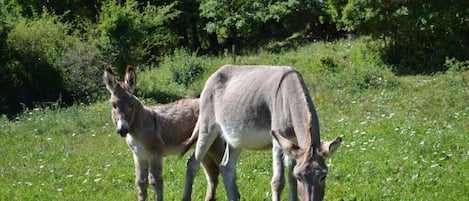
point(359, 78)
point(46, 63)
point(82, 65)
point(8, 14)
point(458, 72)
point(35, 46)
point(455, 65)
point(178, 75)
point(363, 69)
point(134, 34)
point(419, 35)
point(189, 70)
point(330, 64)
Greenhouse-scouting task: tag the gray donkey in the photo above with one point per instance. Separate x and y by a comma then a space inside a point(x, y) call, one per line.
point(153, 132)
point(261, 107)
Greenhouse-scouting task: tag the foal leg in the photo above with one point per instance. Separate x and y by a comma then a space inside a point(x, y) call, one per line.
point(278, 178)
point(293, 194)
point(155, 177)
point(211, 163)
point(211, 173)
point(141, 175)
point(206, 138)
point(228, 171)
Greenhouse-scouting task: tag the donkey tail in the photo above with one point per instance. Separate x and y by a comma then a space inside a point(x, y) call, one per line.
point(190, 142)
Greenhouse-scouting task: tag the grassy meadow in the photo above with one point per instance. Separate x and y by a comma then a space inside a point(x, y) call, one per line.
point(405, 137)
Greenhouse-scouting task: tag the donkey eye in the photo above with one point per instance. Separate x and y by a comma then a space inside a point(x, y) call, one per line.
point(114, 105)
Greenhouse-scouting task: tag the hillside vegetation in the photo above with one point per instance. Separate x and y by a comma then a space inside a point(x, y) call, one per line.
point(50, 51)
point(405, 137)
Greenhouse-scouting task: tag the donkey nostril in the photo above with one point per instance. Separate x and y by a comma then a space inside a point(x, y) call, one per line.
point(122, 127)
point(323, 179)
point(122, 131)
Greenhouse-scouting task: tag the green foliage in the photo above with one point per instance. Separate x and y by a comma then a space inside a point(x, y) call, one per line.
point(179, 74)
point(33, 74)
point(75, 11)
point(233, 20)
point(330, 65)
point(129, 34)
point(55, 65)
point(418, 35)
point(358, 68)
point(8, 14)
point(458, 73)
point(69, 42)
point(188, 71)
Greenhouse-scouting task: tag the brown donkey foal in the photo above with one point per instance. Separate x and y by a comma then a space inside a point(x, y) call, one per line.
point(153, 132)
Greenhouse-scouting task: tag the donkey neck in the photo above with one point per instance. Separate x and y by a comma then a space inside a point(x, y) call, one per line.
point(142, 117)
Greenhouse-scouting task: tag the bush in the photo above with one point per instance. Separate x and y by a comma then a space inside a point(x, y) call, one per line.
point(419, 35)
point(134, 34)
point(362, 69)
point(330, 65)
point(458, 72)
point(82, 65)
point(185, 68)
point(46, 64)
point(178, 75)
point(9, 13)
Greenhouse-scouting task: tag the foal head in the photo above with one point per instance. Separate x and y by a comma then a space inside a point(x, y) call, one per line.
point(122, 99)
point(311, 169)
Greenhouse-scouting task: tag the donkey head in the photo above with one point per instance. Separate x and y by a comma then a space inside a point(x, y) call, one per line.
point(122, 99)
point(311, 169)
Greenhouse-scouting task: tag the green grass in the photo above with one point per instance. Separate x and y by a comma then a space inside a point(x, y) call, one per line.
point(405, 143)
point(405, 138)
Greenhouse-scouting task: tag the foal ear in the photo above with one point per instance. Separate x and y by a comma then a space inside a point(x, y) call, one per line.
point(109, 80)
point(130, 78)
point(328, 148)
point(289, 147)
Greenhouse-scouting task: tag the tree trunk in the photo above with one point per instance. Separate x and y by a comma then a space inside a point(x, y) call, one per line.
point(195, 34)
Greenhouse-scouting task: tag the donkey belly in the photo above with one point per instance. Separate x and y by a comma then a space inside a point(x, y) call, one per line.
point(248, 138)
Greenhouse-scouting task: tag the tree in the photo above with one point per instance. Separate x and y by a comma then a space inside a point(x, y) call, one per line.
point(76, 10)
point(230, 19)
point(419, 35)
point(128, 34)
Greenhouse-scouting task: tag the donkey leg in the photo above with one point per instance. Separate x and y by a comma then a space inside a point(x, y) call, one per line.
point(228, 170)
point(207, 135)
point(141, 175)
point(211, 163)
point(278, 178)
point(293, 194)
point(155, 177)
point(211, 173)
point(190, 175)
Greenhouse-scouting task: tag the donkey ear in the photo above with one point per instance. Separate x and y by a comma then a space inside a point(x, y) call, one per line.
point(109, 80)
point(289, 147)
point(130, 78)
point(328, 148)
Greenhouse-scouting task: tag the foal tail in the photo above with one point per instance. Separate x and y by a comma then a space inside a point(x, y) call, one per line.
point(189, 142)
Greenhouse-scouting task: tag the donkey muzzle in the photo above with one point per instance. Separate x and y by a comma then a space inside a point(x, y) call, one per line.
point(123, 132)
point(122, 128)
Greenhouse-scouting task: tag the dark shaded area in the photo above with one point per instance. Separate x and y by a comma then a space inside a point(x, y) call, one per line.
point(29, 84)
